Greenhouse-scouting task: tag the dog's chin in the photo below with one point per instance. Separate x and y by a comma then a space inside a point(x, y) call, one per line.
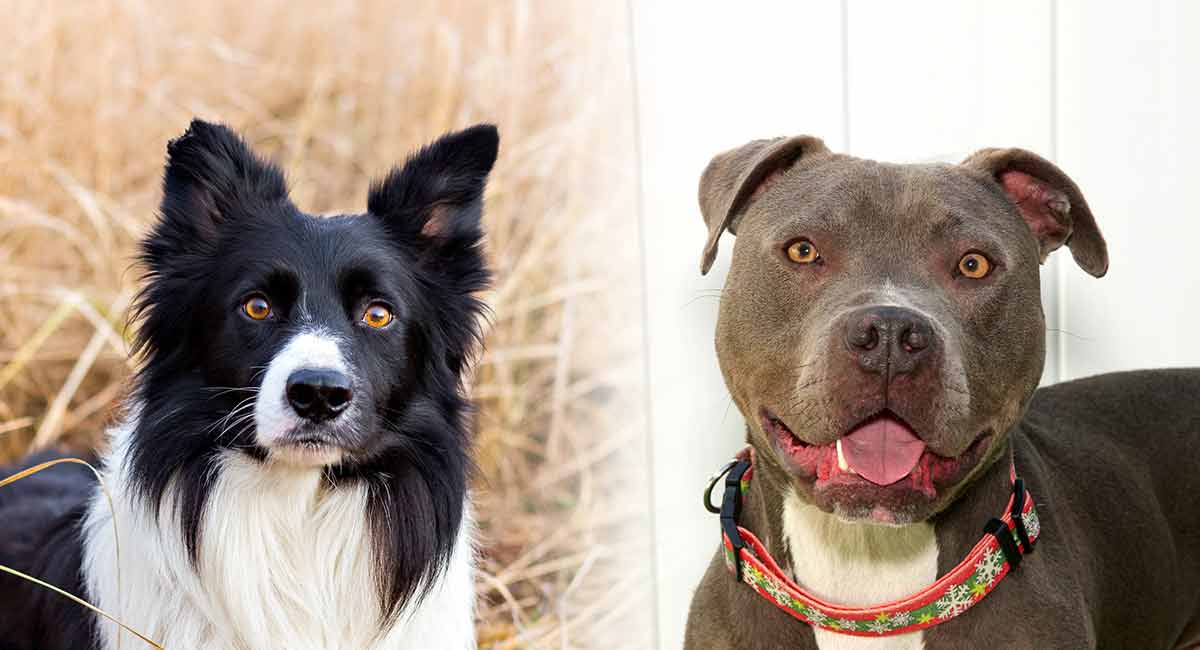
point(822, 476)
point(296, 443)
point(306, 453)
point(307, 446)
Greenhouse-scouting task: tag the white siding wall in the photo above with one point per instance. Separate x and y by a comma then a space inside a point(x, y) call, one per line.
point(1110, 91)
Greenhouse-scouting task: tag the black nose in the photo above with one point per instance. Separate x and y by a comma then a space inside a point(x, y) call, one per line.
point(889, 339)
point(318, 395)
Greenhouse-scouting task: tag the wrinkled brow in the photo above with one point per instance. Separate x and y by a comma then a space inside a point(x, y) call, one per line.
point(950, 222)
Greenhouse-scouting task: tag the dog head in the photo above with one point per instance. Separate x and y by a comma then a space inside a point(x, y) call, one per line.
point(881, 327)
point(334, 343)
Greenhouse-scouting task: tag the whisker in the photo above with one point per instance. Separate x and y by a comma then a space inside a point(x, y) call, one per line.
point(222, 390)
point(240, 423)
point(249, 402)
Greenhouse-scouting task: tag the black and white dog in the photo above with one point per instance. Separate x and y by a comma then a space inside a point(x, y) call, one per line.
point(291, 467)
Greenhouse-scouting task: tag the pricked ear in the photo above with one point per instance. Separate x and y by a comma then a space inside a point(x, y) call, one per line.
point(213, 177)
point(437, 194)
point(735, 178)
point(1049, 202)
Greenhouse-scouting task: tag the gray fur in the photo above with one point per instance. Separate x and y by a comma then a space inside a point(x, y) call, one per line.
point(1114, 461)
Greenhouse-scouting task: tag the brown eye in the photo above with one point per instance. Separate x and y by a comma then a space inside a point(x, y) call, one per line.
point(803, 252)
point(377, 315)
point(257, 307)
point(974, 266)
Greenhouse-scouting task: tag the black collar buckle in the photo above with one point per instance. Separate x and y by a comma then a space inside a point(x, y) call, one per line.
point(1004, 535)
point(1018, 512)
point(730, 509)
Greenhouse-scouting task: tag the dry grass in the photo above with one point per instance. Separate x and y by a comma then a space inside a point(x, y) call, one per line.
point(91, 92)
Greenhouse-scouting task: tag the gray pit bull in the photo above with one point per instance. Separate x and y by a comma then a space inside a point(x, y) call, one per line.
point(881, 331)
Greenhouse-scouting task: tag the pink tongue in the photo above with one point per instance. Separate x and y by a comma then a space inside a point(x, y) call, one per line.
point(882, 451)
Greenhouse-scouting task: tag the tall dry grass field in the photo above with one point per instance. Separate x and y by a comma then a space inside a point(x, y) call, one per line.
point(91, 92)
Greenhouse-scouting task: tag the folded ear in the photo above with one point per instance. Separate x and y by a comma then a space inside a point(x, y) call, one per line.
point(437, 195)
point(212, 177)
point(733, 179)
point(1049, 201)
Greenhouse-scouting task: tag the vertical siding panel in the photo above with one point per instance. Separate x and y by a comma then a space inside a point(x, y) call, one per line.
point(710, 76)
point(931, 78)
point(1130, 139)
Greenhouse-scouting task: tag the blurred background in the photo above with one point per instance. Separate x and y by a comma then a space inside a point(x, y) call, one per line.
point(91, 92)
point(1107, 90)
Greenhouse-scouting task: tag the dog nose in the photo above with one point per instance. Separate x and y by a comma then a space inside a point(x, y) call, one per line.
point(889, 339)
point(318, 395)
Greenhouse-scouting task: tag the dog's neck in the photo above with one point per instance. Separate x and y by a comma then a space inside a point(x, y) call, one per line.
point(845, 563)
point(285, 561)
point(860, 564)
point(857, 564)
point(854, 563)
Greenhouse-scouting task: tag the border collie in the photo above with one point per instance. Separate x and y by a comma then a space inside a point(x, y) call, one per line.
point(291, 468)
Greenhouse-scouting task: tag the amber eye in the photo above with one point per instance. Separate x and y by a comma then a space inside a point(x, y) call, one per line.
point(803, 252)
point(377, 315)
point(257, 307)
point(974, 266)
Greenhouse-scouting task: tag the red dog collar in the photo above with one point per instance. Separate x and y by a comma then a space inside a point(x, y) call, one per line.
point(997, 554)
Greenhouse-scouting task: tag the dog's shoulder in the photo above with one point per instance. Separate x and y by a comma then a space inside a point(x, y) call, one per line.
point(709, 622)
point(1145, 408)
point(1140, 427)
point(1114, 457)
point(726, 614)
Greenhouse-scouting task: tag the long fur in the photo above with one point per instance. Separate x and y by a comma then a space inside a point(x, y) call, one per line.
point(230, 536)
point(285, 563)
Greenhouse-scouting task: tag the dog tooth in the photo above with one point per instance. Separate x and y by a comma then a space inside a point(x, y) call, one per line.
point(842, 465)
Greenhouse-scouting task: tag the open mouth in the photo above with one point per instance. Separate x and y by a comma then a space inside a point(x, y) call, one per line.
point(883, 451)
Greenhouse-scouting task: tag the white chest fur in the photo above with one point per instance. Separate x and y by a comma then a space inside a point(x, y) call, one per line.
point(858, 564)
point(284, 564)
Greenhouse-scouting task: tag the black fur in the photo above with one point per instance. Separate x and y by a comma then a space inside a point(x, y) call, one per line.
point(39, 536)
point(227, 228)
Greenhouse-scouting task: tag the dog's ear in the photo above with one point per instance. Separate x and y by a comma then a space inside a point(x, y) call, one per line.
point(213, 177)
point(1049, 201)
point(437, 195)
point(736, 177)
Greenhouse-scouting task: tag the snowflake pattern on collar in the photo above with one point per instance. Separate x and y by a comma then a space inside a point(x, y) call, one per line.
point(954, 593)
